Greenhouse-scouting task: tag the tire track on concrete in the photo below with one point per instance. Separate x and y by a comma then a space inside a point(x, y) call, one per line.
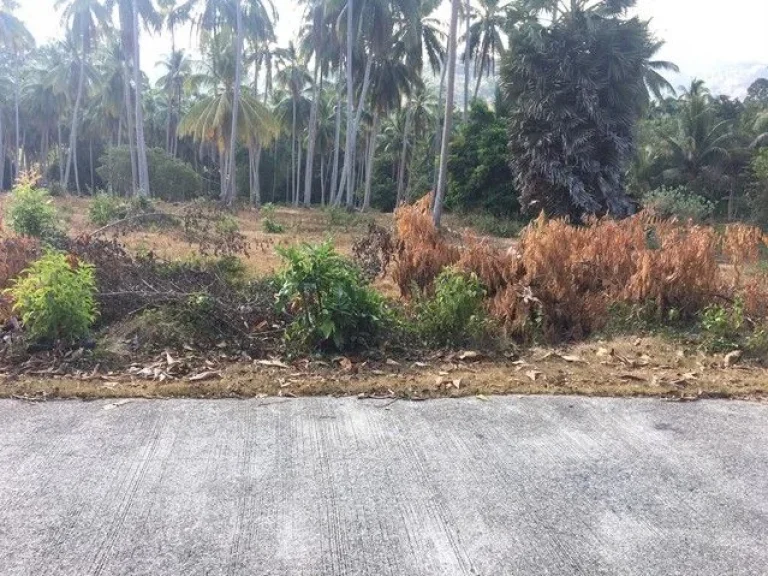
point(245, 503)
point(112, 533)
point(435, 504)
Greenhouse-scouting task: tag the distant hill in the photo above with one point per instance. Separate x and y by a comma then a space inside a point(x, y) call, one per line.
point(730, 79)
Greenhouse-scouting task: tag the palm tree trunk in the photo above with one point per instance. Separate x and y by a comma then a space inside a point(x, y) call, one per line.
point(404, 155)
point(60, 154)
point(2, 155)
point(335, 185)
point(232, 184)
point(466, 61)
point(313, 115)
point(439, 125)
point(322, 179)
point(17, 151)
point(347, 172)
point(255, 173)
point(348, 175)
point(298, 174)
point(442, 175)
point(479, 80)
point(371, 159)
point(141, 146)
point(131, 129)
point(90, 160)
point(72, 153)
point(293, 155)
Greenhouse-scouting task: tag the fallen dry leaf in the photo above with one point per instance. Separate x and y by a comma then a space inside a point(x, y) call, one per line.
point(272, 364)
point(210, 375)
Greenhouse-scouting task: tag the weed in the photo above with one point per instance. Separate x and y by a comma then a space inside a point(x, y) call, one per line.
point(31, 213)
point(268, 222)
point(105, 209)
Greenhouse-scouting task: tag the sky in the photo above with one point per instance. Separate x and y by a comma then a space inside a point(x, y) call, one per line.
point(700, 35)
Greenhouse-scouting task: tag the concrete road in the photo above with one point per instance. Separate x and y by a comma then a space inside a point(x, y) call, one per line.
point(349, 487)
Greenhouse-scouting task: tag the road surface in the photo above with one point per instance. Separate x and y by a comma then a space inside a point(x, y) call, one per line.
point(328, 487)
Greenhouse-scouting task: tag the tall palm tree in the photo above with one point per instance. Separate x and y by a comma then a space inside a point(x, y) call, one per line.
point(237, 15)
point(209, 120)
point(485, 41)
point(86, 20)
point(14, 34)
point(448, 122)
point(293, 76)
point(177, 68)
point(700, 145)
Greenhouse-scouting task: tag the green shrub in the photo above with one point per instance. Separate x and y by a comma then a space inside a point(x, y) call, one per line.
point(332, 305)
point(268, 222)
point(679, 203)
point(454, 314)
point(56, 298)
point(106, 208)
point(31, 213)
point(723, 326)
point(170, 179)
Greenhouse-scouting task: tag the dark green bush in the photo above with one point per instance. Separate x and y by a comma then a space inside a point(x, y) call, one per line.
point(331, 303)
point(55, 298)
point(170, 179)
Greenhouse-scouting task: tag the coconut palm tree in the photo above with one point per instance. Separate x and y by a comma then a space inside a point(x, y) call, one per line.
point(210, 118)
point(14, 35)
point(294, 78)
point(701, 143)
point(177, 68)
point(442, 175)
point(485, 42)
point(85, 20)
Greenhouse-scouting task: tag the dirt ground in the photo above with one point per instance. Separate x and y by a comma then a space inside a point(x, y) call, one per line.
point(625, 367)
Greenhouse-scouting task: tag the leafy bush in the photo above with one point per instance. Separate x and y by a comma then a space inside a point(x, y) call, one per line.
point(332, 305)
point(454, 314)
point(268, 222)
point(105, 208)
point(678, 203)
point(170, 179)
point(56, 298)
point(340, 217)
point(31, 212)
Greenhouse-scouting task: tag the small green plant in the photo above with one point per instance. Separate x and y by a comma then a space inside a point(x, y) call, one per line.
point(331, 303)
point(106, 208)
point(678, 203)
point(268, 222)
point(723, 326)
point(55, 298)
point(31, 212)
point(454, 314)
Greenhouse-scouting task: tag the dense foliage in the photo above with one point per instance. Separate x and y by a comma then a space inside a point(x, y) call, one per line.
point(575, 90)
point(479, 173)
